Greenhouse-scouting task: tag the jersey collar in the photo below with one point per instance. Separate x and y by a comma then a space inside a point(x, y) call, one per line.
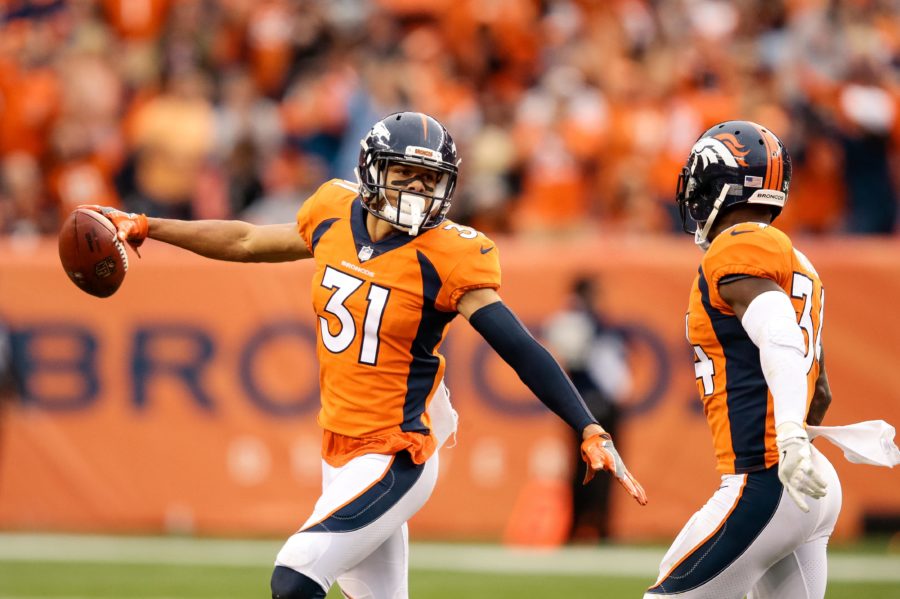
point(361, 233)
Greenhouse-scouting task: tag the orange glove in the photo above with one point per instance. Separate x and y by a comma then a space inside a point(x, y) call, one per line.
point(599, 453)
point(131, 227)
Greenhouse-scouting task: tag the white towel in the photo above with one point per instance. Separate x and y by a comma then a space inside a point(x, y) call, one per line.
point(444, 419)
point(869, 442)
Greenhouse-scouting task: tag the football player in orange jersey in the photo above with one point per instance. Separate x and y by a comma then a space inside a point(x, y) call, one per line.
point(391, 273)
point(754, 322)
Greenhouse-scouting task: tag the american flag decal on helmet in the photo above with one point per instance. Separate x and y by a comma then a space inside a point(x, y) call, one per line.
point(753, 181)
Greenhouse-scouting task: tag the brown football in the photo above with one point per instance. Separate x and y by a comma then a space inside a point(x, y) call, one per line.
point(91, 254)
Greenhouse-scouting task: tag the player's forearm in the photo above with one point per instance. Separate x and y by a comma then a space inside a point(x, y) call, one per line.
point(820, 401)
point(217, 239)
point(534, 365)
point(232, 240)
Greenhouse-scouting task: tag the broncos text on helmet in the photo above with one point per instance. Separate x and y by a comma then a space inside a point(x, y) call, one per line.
point(410, 138)
point(735, 162)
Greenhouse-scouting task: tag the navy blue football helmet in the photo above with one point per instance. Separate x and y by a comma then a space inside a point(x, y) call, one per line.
point(416, 139)
point(732, 163)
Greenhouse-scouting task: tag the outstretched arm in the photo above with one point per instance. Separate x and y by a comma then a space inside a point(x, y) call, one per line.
point(231, 240)
point(532, 362)
point(542, 374)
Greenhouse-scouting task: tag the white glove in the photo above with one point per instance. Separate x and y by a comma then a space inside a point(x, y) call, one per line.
point(795, 468)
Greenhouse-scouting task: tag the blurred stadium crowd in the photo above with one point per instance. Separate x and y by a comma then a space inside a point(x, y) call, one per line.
point(571, 115)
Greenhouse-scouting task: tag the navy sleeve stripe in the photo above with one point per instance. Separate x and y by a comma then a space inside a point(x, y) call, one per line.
point(320, 230)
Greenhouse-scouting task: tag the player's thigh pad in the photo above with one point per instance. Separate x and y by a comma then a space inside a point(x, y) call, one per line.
point(383, 574)
point(803, 574)
point(362, 505)
point(747, 525)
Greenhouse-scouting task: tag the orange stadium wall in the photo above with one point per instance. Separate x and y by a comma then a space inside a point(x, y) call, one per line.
point(186, 402)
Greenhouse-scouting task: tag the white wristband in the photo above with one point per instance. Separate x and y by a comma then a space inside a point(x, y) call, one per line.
point(771, 323)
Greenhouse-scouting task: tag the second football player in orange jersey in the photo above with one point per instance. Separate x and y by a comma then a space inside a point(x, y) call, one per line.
point(736, 400)
point(391, 273)
point(754, 322)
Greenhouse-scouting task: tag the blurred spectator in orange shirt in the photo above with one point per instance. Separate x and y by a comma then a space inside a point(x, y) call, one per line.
point(29, 88)
point(86, 142)
point(137, 20)
point(578, 111)
point(79, 176)
point(270, 30)
point(24, 207)
point(172, 137)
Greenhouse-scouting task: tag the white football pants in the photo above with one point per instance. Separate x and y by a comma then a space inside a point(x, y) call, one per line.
point(357, 534)
point(751, 539)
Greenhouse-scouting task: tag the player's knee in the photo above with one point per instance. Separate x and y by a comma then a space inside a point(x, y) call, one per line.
point(290, 584)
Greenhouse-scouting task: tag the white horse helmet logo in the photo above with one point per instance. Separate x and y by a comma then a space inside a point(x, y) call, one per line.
point(724, 148)
point(381, 132)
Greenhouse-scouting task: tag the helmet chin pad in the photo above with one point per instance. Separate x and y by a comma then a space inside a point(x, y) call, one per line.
point(409, 213)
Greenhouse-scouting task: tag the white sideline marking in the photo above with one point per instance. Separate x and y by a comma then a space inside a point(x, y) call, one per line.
point(136, 550)
point(623, 561)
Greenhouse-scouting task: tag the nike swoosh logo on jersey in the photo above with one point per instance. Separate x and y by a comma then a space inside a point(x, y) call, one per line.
point(733, 233)
point(486, 250)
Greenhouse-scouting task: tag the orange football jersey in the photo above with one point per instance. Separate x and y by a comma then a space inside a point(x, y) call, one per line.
point(736, 399)
point(383, 309)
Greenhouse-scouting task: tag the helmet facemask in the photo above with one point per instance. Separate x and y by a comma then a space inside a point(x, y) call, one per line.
point(412, 211)
point(695, 199)
point(701, 233)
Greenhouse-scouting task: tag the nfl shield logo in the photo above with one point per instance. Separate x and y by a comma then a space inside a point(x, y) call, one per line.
point(365, 253)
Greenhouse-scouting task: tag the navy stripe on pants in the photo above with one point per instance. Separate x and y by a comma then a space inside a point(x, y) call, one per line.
point(376, 500)
point(754, 510)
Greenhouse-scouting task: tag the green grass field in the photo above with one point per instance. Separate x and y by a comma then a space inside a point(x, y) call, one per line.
point(75, 580)
point(155, 568)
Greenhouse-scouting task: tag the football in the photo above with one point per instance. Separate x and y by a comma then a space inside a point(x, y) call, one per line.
point(91, 254)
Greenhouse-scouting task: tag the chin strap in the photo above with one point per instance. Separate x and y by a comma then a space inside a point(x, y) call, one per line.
point(700, 235)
